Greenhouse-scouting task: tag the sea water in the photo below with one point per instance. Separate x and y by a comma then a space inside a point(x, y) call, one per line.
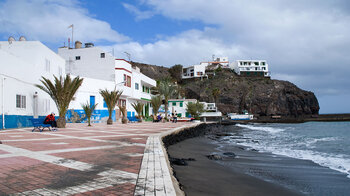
point(325, 143)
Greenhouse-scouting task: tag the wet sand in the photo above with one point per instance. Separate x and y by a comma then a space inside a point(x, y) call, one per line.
point(250, 172)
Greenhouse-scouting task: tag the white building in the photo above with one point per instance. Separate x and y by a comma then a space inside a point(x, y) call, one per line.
point(194, 71)
point(251, 68)
point(22, 64)
point(179, 106)
point(94, 63)
point(197, 71)
point(216, 63)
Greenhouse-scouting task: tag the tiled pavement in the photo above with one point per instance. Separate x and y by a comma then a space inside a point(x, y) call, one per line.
point(81, 160)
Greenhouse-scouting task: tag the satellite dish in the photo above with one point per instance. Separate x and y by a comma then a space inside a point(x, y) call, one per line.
point(22, 38)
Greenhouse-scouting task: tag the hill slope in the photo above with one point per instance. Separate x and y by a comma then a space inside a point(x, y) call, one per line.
point(261, 96)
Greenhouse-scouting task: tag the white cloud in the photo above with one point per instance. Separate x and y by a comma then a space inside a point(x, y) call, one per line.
point(47, 20)
point(189, 47)
point(306, 42)
point(140, 15)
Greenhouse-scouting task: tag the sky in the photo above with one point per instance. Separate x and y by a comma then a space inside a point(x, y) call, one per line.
point(304, 42)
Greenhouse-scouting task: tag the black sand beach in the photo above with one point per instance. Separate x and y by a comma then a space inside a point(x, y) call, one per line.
point(248, 172)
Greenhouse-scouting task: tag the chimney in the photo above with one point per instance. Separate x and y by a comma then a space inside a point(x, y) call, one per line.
point(78, 44)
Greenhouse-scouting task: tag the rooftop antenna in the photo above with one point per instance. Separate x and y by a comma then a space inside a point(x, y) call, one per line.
point(128, 55)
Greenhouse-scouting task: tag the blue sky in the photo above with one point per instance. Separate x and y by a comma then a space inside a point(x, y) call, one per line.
point(305, 42)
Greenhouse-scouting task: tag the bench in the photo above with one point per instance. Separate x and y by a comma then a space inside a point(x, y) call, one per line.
point(133, 119)
point(38, 123)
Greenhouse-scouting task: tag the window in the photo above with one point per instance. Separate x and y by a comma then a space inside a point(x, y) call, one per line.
point(103, 55)
point(143, 88)
point(181, 104)
point(174, 103)
point(127, 80)
point(47, 65)
point(136, 86)
point(20, 101)
point(199, 73)
point(256, 63)
point(263, 63)
point(77, 58)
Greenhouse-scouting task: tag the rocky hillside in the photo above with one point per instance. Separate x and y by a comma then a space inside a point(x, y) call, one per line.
point(260, 96)
point(153, 71)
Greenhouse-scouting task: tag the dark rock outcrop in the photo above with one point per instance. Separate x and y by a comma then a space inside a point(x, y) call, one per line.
point(258, 95)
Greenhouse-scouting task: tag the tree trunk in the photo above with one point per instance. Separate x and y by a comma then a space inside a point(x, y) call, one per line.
point(166, 109)
point(110, 121)
point(89, 120)
point(124, 120)
point(61, 122)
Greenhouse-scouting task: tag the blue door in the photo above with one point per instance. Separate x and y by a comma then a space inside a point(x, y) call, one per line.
point(92, 101)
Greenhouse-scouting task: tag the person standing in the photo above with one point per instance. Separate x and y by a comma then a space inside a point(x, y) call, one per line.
point(50, 119)
point(175, 117)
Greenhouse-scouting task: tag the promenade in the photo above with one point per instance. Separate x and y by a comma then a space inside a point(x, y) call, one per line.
point(119, 159)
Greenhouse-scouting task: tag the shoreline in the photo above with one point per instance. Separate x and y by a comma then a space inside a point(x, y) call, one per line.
point(248, 173)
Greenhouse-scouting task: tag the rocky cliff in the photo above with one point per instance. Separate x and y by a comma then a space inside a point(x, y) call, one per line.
point(258, 95)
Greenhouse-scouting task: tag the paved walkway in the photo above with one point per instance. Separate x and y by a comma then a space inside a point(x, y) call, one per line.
point(81, 160)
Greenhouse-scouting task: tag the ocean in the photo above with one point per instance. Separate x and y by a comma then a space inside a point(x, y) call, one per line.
point(324, 143)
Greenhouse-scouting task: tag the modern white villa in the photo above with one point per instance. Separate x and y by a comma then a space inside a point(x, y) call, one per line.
point(22, 63)
point(251, 68)
point(101, 70)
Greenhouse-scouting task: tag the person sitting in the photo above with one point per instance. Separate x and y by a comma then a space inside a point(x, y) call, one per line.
point(50, 119)
point(159, 117)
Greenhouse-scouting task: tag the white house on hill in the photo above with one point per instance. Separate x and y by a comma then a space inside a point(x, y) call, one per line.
point(198, 71)
point(22, 63)
point(251, 68)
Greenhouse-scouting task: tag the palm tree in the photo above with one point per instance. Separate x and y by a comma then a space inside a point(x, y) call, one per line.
point(156, 102)
point(123, 110)
point(195, 109)
point(88, 109)
point(166, 89)
point(216, 93)
point(62, 91)
point(111, 98)
point(138, 108)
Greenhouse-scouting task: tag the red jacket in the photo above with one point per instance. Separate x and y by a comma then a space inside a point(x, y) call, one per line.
point(49, 118)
